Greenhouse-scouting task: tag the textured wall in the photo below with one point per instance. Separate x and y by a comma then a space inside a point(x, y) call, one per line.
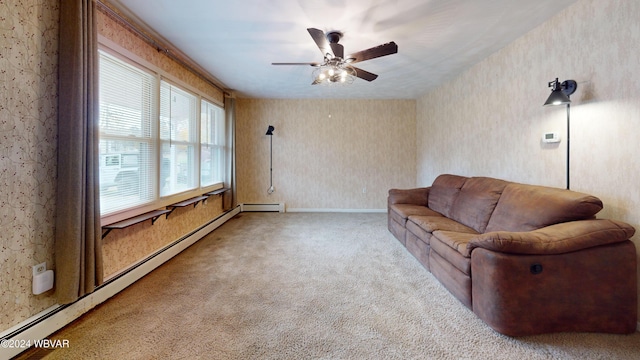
point(28, 118)
point(123, 248)
point(325, 152)
point(489, 121)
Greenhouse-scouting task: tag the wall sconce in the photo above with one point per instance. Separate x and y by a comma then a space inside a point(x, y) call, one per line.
point(271, 189)
point(560, 93)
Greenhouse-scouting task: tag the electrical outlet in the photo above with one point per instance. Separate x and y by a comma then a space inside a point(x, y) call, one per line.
point(40, 268)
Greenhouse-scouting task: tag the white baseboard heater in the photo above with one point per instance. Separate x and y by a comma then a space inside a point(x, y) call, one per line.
point(263, 207)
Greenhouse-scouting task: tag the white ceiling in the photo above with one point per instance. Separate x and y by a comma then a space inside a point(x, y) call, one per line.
point(237, 40)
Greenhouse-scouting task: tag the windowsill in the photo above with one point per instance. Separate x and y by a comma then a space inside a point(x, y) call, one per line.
point(152, 215)
point(155, 214)
point(112, 218)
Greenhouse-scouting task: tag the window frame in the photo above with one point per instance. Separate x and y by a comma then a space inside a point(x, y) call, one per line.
point(116, 51)
point(192, 141)
point(215, 143)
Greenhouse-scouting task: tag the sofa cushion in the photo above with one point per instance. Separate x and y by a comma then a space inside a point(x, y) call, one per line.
point(444, 191)
point(400, 212)
point(420, 225)
point(529, 207)
point(417, 196)
point(459, 260)
point(476, 201)
point(420, 233)
point(457, 241)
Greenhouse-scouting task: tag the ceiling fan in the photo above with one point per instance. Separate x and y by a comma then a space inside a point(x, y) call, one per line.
point(336, 67)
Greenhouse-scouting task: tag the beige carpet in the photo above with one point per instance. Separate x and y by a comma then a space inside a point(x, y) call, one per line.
point(305, 286)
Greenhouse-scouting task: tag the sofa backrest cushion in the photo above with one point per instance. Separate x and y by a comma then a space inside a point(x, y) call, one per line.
point(476, 201)
point(525, 207)
point(444, 191)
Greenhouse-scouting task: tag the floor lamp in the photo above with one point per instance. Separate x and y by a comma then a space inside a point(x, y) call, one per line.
point(271, 189)
point(560, 93)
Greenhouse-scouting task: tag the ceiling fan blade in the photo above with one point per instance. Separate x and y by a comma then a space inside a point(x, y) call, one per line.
point(365, 75)
point(338, 49)
point(321, 40)
point(291, 63)
point(372, 53)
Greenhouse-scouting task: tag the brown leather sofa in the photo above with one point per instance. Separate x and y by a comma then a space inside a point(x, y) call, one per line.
point(525, 259)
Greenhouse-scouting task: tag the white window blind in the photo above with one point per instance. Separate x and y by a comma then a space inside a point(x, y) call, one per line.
point(127, 146)
point(179, 141)
point(212, 142)
point(159, 142)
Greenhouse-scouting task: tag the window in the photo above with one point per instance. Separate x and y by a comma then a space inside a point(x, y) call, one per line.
point(157, 139)
point(127, 147)
point(212, 135)
point(178, 121)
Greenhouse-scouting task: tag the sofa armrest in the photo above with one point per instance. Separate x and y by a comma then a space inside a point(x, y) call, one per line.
point(417, 196)
point(591, 290)
point(555, 239)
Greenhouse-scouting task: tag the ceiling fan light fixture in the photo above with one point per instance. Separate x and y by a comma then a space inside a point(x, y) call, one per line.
point(334, 72)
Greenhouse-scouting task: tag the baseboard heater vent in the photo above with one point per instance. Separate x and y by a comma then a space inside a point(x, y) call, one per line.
point(262, 207)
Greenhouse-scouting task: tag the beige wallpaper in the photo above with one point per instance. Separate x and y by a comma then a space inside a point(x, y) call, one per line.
point(123, 248)
point(327, 154)
point(28, 102)
point(490, 120)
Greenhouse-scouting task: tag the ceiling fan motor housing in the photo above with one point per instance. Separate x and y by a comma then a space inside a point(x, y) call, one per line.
point(334, 37)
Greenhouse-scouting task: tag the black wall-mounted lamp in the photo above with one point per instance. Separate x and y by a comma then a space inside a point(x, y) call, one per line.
point(271, 189)
point(560, 93)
